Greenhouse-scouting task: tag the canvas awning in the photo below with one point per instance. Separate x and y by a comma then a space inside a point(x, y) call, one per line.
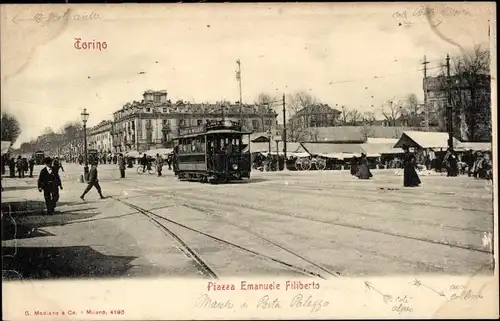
point(377, 150)
point(5, 147)
point(133, 154)
point(332, 149)
point(161, 151)
point(425, 140)
point(475, 146)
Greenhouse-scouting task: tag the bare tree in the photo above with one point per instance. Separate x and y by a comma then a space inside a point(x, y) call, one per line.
point(412, 110)
point(299, 112)
point(470, 88)
point(266, 108)
point(353, 117)
point(369, 118)
point(10, 128)
point(366, 131)
point(391, 111)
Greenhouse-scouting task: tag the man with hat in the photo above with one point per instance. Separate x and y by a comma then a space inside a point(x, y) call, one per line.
point(47, 182)
point(93, 181)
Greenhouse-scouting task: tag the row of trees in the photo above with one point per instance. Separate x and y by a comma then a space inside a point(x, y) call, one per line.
point(11, 129)
point(468, 85)
point(70, 135)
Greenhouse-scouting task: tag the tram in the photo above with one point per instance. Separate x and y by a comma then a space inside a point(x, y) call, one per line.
point(213, 152)
point(39, 157)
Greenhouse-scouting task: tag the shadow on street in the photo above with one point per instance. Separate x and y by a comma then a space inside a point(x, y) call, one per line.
point(61, 262)
point(24, 219)
point(18, 188)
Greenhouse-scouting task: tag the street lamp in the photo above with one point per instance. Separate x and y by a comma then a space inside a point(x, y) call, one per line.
point(85, 118)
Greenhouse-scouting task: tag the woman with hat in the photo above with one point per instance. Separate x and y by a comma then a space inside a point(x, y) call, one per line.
point(364, 170)
point(410, 176)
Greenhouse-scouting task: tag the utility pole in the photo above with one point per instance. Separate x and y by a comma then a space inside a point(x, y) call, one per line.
point(426, 107)
point(449, 107)
point(238, 76)
point(284, 129)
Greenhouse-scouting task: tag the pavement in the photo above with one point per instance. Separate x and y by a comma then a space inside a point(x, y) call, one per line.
point(317, 223)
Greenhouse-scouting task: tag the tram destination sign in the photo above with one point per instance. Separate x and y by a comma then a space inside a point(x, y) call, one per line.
point(192, 130)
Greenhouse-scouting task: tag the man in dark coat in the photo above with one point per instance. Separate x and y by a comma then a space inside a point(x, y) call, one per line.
point(145, 163)
point(47, 182)
point(19, 167)
point(121, 165)
point(32, 165)
point(12, 167)
point(93, 181)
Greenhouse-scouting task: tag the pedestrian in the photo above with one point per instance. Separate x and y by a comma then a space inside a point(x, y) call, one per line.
point(93, 181)
point(19, 165)
point(25, 166)
point(12, 167)
point(451, 163)
point(169, 161)
point(159, 164)
point(47, 182)
point(354, 166)
point(32, 165)
point(364, 171)
point(145, 163)
point(56, 165)
point(410, 176)
point(121, 165)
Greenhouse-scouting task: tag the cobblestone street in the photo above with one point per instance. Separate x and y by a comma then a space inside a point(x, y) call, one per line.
point(322, 224)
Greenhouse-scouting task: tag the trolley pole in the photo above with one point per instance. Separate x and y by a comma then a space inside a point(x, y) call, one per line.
point(241, 97)
point(426, 109)
point(284, 126)
point(449, 107)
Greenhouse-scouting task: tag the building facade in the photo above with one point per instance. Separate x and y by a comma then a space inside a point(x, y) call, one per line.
point(155, 121)
point(320, 115)
point(470, 101)
point(100, 137)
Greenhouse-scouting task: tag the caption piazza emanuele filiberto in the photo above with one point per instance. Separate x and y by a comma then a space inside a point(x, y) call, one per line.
point(266, 286)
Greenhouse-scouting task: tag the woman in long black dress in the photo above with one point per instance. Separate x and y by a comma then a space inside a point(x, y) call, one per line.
point(410, 176)
point(364, 171)
point(354, 165)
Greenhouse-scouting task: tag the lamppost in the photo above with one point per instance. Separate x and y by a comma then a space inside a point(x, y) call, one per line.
point(85, 117)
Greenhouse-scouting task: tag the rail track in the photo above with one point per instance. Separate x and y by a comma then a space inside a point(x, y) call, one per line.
point(187, 197)
point(200, 263)
point(347, 225)
point(428, 266)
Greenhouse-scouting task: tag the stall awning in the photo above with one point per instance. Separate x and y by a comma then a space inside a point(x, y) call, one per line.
point(377, 150)
point(425, 140)
point(475, 146)
point(133, 154)
point(5, 147)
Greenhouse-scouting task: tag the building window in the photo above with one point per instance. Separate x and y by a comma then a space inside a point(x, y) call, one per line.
point(255, 124)
point(165, 110)
point(148, 110)
point(199, 122)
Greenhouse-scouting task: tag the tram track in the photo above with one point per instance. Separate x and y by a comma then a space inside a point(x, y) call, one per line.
point(426, 266)
point(347, 193)
point(352, 226)
point(252, 207)
point(199, 263)
point(201, 202)
point(202, 265)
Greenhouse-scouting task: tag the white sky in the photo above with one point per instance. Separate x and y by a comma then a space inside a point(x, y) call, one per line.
point(283, 48)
